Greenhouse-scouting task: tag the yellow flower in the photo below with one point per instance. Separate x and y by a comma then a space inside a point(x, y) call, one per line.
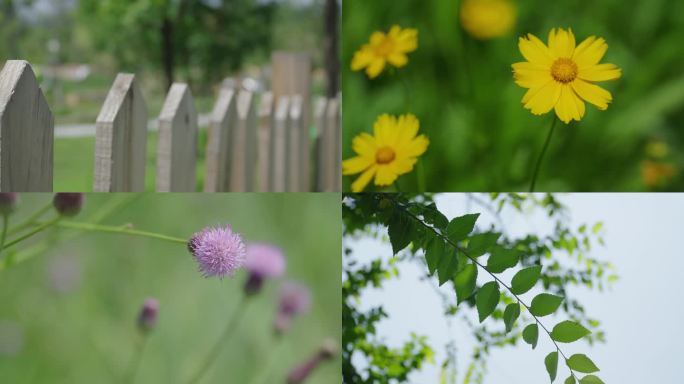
point(390, 152)
point(560, 76)
point(385, 48)
point(487, 19)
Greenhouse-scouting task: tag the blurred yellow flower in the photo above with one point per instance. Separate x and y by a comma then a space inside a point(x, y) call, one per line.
point(487, 19)
point(560, 75)
point(656, 174)
point(390, 152)
point(384, 48)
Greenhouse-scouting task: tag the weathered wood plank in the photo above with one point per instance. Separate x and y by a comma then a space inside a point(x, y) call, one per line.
point(121, 138)
point(26, 131)
point(319, 120)
point(244, 144)
point(292, 75)
point(177, 142)
point(223, 116)
point(279, 160)
point(295, 149)
point(265, 117)
point(334, 130)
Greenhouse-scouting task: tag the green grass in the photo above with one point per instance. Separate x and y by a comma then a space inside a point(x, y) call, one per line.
point(87, 334)
point(481, 137)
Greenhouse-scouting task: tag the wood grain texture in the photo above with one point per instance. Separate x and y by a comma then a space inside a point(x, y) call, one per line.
point(223, 116)
point(296, 148)
point(26, 131)
point(177, 142)
point(334, 144)
point(279, 160)
point(264, 137)
point(292, 75)
point(121, 138)
point(243, 165)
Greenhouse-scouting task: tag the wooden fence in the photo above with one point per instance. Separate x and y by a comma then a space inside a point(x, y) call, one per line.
point(275, 141)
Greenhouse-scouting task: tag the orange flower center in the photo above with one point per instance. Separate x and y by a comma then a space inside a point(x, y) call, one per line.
point(564, 70)
point(385, 48)
point(384, 155)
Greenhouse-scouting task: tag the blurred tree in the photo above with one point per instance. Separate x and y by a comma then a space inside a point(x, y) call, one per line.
point(211, 36)
point(332, 46)
point(415, 225)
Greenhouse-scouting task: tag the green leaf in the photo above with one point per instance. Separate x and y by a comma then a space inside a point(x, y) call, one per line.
point(525, 279)
point(591, 379)
point(545, 304)
point(551, 362)
point(460, 227)
point(487, 298)
point(433, 216)
point(399, 231)
point(480, 243)
point(581, 363)
point(501, 259)
point(568, 331)
point(448, 265)
point(433, 254)
point(464, 282)
point(570, 380)
point(511, 314)
point(531, 335)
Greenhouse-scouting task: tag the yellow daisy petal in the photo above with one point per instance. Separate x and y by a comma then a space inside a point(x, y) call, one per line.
point(364, 145)
point(590, 54)
point(403, 165)
point(561, 42)
point(398, 59)
point(534, 50)
point(600, 72)
point(383, 129)
point(360, 184)
point(567, 107)
point(375, 68)
point(355, 165)
point(592, 93)
point(541, 100)
point(385, 176)
point(528, 75)
point(417, 147)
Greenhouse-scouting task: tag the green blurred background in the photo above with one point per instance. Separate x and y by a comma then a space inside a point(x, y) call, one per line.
point(68, 315)
point(76, 48)
point(481, 137)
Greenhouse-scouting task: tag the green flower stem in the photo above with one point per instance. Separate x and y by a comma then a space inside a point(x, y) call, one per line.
point(41, 227)
point(134, 365)
point(474, 260)
point(3, 236)
point(543, 152)
point(216, 349)
point(265, 371)
point(119, 229)
point(31, 219)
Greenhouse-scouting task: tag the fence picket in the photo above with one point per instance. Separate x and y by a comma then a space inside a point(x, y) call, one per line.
point(217, 172)
point(26, 131)
point(319, 119)
point(177, 142)
point(121, 138)
point(279, 160)
point(334, 141)
point(265, 134)
point(244, 144)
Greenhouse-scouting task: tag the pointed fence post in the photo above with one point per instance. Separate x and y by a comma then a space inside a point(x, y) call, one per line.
point(244, 145)
point(295, 148)
point(121, 138)
point(334, 149)
point(26, 131)
point(265, 134)
point(217, 172)
point(279, 160)
point(177, 142)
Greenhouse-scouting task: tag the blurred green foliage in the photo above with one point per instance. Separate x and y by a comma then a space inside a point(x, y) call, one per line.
point(74, 306)
point(482, 138)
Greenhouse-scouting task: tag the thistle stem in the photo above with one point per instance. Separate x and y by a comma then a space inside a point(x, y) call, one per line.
point(31, 219)
point(541, 155)
point(120, 230)
point(41, 227)
point(134, 364)
point(264, 373)
point(220, 342)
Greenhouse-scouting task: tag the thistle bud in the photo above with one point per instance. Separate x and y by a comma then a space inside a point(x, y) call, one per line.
point(302, 371)
point(148, 315)
point(68, 204)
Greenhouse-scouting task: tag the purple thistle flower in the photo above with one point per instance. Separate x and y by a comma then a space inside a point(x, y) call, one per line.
point(294, 299)
point(8, 201)
point(218, 251)
point(68, 204)
point(147, 318)
point(263, 261)
point(301, 372)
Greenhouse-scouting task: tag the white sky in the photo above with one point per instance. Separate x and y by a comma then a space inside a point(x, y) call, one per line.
point(642, 314)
